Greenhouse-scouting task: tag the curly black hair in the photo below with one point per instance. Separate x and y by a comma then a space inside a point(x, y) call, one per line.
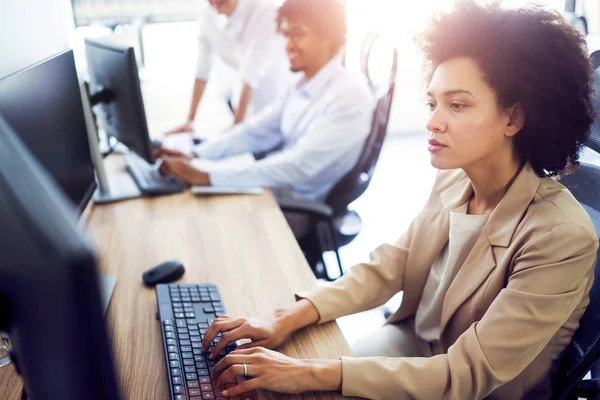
point(529, 56)
point(328, 17)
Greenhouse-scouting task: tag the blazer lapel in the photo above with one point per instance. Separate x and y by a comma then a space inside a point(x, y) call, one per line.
point(493, 240)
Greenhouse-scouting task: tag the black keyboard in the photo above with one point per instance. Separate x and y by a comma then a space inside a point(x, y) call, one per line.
point(185, 313)
point(148, 179)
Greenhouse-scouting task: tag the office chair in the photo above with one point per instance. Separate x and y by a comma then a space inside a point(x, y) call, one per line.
point(333, 224)
point(584, 350)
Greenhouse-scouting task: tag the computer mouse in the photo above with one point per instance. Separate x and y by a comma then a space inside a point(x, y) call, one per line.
point(167, 272)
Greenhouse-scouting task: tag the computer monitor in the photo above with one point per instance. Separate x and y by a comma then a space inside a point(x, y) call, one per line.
point(117, 96)
point(49, 296)
point(43, 104)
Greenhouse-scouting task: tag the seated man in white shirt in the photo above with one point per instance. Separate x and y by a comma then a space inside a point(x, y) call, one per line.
point(321, 122)
point(242, 33)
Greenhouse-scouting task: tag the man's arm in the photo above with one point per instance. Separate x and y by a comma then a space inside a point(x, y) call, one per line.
point(260, 133)
point(332, 140)
point(245, 99)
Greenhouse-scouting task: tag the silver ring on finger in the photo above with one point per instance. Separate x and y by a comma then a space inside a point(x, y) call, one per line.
point(245, 371)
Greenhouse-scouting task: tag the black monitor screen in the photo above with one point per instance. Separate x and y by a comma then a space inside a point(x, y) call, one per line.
point(113, 69)
point(43, 104)
point(49, 295)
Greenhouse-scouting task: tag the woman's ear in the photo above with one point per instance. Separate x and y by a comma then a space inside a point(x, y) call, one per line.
point(516, 120)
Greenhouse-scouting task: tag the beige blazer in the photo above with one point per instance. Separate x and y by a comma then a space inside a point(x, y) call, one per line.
point(507, 316)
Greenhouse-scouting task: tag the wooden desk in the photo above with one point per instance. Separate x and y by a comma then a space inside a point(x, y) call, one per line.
point(240, 243)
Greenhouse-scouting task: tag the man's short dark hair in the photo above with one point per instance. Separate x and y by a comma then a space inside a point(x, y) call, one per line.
point(528, 56)
point(328, 17)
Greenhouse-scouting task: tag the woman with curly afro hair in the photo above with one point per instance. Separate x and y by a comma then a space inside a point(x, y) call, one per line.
point(496, 269)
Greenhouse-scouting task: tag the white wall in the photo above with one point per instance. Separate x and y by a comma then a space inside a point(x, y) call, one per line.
point(32, 30)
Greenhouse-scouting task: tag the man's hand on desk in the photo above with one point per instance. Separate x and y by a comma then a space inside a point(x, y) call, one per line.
point(163, 152)
point(184, 128)
point(181, 168)
point(270, 370)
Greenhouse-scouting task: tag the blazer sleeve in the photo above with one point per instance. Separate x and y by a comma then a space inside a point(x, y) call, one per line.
point(551, 276)
point(367, 285)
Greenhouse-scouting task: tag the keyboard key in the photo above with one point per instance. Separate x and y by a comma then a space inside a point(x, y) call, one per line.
point(195, 338)
point(175, 372)
point(206, 387)
point(203, 372)
point(184, 336)
point(197, 351)
point(179, 315)
point(179, 397)
point(204, 380)
point(199, 358)
point(171, 342)
point(178, 389)
point(181, 323)
point(174, 364)
point(191, 376)
point(197, 345)
point(194, 392)
point(187, 355)
point(177, 380)
point(193, 384)
point(208, 395)
point(191, 321)
point(185, 342)
point(188, 309)
point(170, 335)
point(249, 396)
point(168, 322)
point(201, 365)
point(188, 361)
point(174, 356)
point(189, 369)
point(172, 349)
point(185, 349)
point(202, 325)
point(169, 328)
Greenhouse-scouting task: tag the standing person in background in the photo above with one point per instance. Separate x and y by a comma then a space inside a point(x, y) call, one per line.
point(242, 33)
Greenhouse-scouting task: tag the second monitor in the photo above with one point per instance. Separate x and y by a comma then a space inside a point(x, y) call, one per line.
point(117, 99)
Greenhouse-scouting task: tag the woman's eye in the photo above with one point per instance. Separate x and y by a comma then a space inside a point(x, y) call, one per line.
point(430, 105)
point(457, 106)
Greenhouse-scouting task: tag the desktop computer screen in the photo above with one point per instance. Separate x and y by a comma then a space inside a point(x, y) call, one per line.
point(113, 72)
point(43, 105)
point(49, 295)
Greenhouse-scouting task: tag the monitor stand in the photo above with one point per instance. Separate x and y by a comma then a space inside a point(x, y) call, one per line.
point(117, 187)
point(120, 187)
point(107, 287)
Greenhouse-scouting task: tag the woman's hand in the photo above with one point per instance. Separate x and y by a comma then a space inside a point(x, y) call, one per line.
point(270, 370)
point(268, 332)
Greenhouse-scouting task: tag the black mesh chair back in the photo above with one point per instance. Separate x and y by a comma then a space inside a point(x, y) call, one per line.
point(584, 183)
point(355, 182)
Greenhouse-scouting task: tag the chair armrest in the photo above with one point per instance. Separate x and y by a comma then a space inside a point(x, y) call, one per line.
point(587, 389)
point(308, 207)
